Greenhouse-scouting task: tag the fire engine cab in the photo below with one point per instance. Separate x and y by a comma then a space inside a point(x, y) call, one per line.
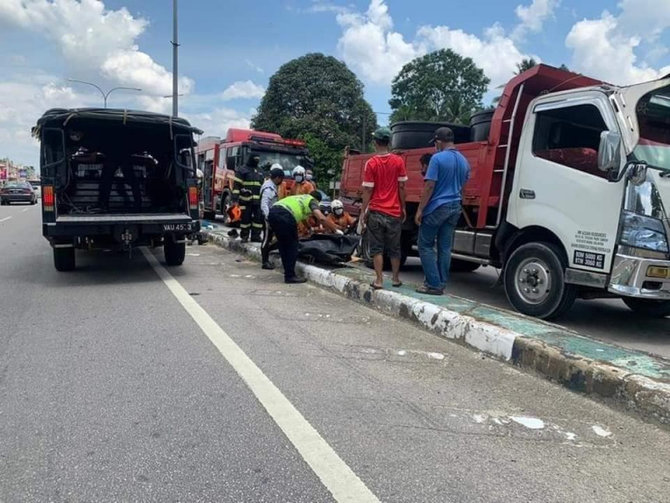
point(218, 159)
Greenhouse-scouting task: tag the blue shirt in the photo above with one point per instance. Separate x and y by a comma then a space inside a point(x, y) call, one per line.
point(449, 170)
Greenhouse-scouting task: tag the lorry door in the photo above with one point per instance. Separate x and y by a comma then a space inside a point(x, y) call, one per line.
point(557, 184)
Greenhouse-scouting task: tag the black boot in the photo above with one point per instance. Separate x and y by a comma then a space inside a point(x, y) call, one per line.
point(267, 265)
point(295, 280)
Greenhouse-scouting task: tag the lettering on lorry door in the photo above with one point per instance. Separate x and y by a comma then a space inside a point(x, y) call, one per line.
point(590, 248)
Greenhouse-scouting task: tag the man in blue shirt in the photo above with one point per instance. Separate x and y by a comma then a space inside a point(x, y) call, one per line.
point(439, 210)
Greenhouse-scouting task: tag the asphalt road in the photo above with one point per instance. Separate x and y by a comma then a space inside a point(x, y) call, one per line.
point(124, 381)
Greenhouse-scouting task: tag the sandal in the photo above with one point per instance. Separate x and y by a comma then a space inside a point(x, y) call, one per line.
point(396, 285)
point(428, 290)
point(376, 286)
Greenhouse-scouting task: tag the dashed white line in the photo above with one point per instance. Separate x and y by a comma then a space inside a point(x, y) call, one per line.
point(334, 473)
point(4, 219)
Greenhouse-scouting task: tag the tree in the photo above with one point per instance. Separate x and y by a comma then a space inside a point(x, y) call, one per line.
point(318, 99)
point(440, 86)
point(526, 64)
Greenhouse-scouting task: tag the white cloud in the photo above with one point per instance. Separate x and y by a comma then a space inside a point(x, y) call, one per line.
point(96, 42)
point(243, 90)
point(607, 47)
point(377, 53)
point(22, 102)
point(533, 16)
point(217, 121)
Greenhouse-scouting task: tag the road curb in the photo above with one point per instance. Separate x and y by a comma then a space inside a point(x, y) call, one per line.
point(648, 397)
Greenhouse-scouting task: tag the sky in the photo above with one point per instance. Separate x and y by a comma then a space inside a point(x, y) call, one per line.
point(230, 49)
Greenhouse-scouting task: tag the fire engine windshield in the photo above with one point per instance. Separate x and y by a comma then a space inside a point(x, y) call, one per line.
point(653, 115)
point(288, 160)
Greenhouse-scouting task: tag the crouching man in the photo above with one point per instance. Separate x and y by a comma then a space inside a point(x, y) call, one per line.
point(284, 218)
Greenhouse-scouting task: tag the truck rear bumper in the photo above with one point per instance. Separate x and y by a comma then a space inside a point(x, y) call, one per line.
point(101, 225)
point(631, 278)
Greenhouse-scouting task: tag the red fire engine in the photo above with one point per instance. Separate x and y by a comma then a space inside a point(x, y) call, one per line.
point(217, 159)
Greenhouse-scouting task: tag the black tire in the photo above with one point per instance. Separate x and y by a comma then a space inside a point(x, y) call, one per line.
point(174, 252)
point(534, 281)
point(364, 250)
point(648, 307)
point(64, 259)
point(3, 202)
point(33, 202)
point(209, 215)
point(458, 265)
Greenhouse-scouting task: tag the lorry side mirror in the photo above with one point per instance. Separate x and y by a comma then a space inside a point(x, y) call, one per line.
point(609, 151)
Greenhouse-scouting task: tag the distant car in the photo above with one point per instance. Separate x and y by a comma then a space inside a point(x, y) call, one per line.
point(17, 192)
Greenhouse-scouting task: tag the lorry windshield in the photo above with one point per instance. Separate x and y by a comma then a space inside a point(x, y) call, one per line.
point(653, 115)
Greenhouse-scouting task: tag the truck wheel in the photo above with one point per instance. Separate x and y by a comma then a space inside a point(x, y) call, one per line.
point(364, 250)
point(64, 259)
point(458, 265)
point(534, 281)
point(209, 215)
point(648, 307)
point(174, 252)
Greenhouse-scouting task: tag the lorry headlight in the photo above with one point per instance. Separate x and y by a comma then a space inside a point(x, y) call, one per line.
point(645, 232)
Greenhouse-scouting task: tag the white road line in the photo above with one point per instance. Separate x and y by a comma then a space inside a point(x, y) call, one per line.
point(339, 479)
point(26, 209)
point(4, 219)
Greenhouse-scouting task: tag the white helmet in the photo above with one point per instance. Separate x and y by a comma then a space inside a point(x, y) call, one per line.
point(299, 170)
point(337, 207)
point(276, 165)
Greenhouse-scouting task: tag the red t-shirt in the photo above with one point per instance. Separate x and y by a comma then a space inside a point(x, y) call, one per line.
point(382, 173)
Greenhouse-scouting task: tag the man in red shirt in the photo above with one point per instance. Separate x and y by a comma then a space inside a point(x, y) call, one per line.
point(383, 207)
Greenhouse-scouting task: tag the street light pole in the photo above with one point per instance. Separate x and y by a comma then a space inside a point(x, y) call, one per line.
point(175, 61)
point(104, 94)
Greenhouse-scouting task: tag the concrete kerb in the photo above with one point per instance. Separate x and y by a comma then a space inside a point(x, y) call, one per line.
point(647, 397)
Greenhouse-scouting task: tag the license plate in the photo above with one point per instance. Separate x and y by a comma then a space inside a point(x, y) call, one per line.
point(177, 227)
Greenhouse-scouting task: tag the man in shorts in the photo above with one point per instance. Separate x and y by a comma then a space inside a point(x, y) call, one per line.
point(383, 207)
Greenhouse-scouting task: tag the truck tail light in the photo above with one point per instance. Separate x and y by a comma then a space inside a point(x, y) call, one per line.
point(48, 198)
point(193, 198)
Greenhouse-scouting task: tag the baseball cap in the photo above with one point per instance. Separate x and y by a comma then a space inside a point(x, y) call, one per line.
point(443, 134)
point(382, 133)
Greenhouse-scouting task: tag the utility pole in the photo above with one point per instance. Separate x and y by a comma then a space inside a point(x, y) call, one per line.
point(175, 61)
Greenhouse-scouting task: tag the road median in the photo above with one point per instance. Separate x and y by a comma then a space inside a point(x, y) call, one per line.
point(638, 381)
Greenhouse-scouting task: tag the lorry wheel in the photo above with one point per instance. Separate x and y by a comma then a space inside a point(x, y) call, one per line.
point(458, 265)
point(64, 259)
point(534, 281)
point(648, 307)
point(174, 252)
point(364, 250)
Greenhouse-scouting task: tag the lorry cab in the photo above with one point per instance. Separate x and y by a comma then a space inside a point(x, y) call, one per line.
point(592, 176)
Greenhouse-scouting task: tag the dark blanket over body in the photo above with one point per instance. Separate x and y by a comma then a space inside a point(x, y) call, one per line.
point(328, 249)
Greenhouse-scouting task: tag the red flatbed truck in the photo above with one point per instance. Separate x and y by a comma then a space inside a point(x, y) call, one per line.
point(567, 194)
